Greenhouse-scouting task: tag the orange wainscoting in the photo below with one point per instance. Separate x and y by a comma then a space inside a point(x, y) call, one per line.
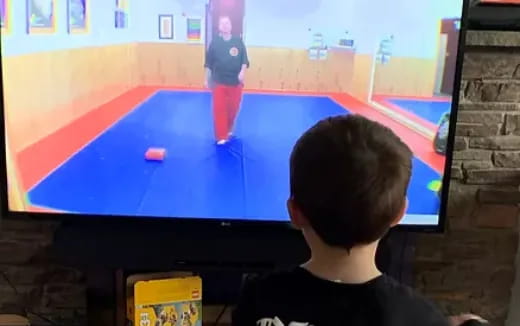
point(48, 90)
point(292, 70)
point(15, 193)
point(406, 76)
point(361, 77)
point(181, 65)
point(170, 64)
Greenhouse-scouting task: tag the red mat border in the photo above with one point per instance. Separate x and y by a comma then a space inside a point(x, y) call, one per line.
point(417, 98)
point(37, 161)
point(385, 101)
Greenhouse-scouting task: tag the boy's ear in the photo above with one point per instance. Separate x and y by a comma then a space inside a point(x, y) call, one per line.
point(401, 214)
point(297, 219)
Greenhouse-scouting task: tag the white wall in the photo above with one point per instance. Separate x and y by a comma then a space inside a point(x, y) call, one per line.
point(147, 18)
point(414, 23)
point(416, 29)
point(102, 30)
point(143, 25)
point(270, 24)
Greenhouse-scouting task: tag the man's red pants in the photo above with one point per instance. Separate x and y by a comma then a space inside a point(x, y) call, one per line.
point(226, 104)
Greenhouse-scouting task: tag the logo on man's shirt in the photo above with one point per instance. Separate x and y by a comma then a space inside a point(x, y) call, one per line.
point(233, 51)
point(277, 322)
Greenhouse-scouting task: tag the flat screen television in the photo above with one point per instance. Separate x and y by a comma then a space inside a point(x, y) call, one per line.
point(106, 113)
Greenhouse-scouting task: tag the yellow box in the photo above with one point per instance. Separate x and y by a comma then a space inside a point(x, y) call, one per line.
point(167, 302)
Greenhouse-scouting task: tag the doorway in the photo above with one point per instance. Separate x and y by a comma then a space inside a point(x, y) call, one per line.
point(234, 9)
point(447, 56)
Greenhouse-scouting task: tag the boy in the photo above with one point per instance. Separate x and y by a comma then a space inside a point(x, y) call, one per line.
point(348, 183)
point(226, 64)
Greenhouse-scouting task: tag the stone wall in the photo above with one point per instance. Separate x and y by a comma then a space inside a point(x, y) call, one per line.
point(471, 267)
point(45, 289)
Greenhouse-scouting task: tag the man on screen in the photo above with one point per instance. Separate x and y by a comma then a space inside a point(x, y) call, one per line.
point(226, 64)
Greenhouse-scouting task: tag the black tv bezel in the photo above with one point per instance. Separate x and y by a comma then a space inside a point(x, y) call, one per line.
point(242, 224)
point(498, 17)
point(504, 3)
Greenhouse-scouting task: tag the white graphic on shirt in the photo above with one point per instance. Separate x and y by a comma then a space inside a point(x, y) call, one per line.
point(233, 51)
point(277, 322)
point(270, 322)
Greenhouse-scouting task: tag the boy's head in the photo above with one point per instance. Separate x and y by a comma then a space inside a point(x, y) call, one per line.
point(349, 177)
point(224, 24)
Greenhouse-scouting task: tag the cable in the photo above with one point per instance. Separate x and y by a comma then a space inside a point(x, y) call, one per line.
point(8, 281)
point(26, 310)
point(42, 317)
point(245, 278)
point(219, 317)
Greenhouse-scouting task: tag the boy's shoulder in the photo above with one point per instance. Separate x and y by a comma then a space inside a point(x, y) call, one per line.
point(383, 296)
point(408, 304)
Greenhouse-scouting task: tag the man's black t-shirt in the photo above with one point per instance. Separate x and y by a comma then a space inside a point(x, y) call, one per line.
point(299, 298)
point(225, 59)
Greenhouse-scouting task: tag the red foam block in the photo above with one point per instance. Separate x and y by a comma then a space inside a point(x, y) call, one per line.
point(155, 154)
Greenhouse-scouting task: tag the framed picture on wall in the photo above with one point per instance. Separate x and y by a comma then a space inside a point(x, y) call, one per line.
point(194, 29)
point(5, 19)
point(166, 27)
point(41, 16)
point(77, 17)
point(121, 14)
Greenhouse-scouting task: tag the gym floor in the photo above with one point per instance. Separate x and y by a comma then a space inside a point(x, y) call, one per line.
point(96, 165)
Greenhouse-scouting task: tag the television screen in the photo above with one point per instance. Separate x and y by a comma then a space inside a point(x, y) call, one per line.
point(190, 108)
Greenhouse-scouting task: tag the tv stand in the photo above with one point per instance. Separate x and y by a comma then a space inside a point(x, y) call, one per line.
point(220, 256)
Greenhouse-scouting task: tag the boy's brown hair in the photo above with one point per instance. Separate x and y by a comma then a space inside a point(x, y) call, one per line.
point(349, 177)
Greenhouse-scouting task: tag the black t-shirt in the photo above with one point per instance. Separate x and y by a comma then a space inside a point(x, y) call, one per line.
point(225, 60)
point(298, 298)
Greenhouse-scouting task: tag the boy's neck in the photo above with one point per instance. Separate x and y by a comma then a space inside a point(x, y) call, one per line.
point(338, 265)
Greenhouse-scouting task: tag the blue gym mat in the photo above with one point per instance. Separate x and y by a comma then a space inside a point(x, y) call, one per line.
point(247, 178)
point(431, 111)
